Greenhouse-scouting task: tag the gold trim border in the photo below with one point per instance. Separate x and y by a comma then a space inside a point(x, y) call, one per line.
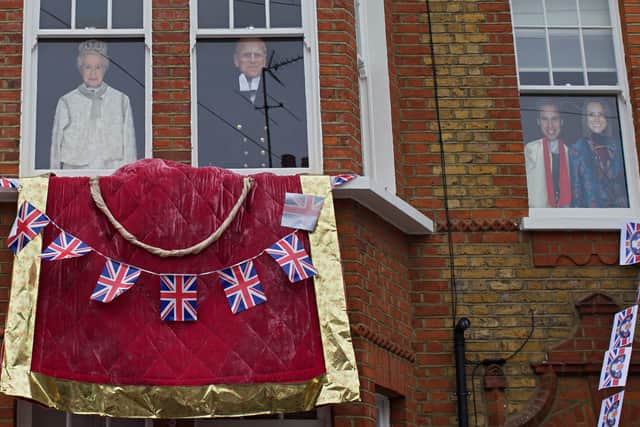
point(339, 384)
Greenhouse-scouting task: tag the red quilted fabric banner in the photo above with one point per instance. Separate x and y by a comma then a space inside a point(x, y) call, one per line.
point(125, 342)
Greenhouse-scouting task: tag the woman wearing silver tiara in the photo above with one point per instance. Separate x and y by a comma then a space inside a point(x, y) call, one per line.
point(93, 125)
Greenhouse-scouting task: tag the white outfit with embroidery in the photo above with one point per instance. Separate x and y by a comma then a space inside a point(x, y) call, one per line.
point(93, 129)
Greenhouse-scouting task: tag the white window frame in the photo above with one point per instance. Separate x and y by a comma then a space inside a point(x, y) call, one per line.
point(32, 33)
point(25, 410)
point(593, 218)
point(383, 411)
point(309, 35)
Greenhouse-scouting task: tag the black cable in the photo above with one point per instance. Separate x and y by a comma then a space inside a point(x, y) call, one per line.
point(443, 174)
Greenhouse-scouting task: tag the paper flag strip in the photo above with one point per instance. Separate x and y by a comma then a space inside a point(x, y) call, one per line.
point(615, 367)
point(178, 298)
point(29, 222)
point(624, 326)
point(289, 253)
point(610, 410)
point(301, 211)
point(242, 287)
point(9, 183)
point(630, 243)
point(115, 279)
point(65, 246)
point(338, 180)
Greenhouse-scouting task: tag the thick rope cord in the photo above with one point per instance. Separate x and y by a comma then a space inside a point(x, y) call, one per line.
point(96, 194)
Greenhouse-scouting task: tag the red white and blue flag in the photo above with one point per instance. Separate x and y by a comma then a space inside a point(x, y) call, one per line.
point(178, 298)
point(9, 183)
point(290, 254)
point(115, 279)
point(338, 180)
point(242, 287)
point(630, 243)
point(624, 326)
point(65, 246)
point(29, 222)
point(301, 211)
point(610, 410)
point(615, 367)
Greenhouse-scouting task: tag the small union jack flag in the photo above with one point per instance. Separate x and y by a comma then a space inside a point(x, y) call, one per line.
point(338, 180)
point(65, 246)
point(115, 279)
point(178, 298)
point(630, 243)
point(624, 326)
point(29, 222)
point(289, 253)
point(242, 287)
point(615, 367)
point(301, 211)
point(610, 410)
point(9, 183)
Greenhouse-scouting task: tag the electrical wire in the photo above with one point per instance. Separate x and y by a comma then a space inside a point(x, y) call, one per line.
point(443, 174)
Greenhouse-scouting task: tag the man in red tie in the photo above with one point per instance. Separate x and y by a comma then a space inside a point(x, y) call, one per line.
point(547, 162)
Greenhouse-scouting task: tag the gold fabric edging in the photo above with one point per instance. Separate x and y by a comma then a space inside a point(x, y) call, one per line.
point(21, 315)
point(343, 384)
point(339, 384)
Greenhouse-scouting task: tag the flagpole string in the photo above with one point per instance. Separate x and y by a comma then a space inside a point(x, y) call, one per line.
point(96, 194)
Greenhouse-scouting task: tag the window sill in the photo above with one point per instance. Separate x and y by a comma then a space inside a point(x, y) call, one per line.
point(388, 206)
point(580, 219)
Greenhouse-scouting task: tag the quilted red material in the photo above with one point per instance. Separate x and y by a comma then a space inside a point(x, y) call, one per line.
point(124, 342)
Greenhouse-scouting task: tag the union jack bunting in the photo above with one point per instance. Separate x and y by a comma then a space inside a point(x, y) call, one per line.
point(301, 211)
point(115, 279)
point(29, 222)
point(9, 183)
point(338, 180)
point(630, 243)
point(242, 287)
point(65, 246)
point(289, 253)
point(178, 298)
point(615, 367)
point(610, 410)
point(624, 326)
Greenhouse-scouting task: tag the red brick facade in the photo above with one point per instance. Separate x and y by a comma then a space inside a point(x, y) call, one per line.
point(398, 287)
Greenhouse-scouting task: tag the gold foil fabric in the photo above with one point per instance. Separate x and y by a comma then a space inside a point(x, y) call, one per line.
point(339, 384)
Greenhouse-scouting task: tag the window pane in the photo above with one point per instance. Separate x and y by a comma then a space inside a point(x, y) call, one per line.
point(602, 77)
point(46, 416)
point(94, 125)
point(91, 14)
point(213, 14)
point(565, 50)
point(232, 127)
point(588, 133)
point(55, 13)
point(534, 78)
point(594, 12)
point(562, 12)
point(598, 47)
point(285, 13)
point(249, 13)
point(528, 12)
point(531, 50)
point(126, 13)
point(123, 422)
point(87, 421)
point(573, 78)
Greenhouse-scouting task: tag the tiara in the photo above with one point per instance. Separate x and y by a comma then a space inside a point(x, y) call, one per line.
point(96, 46)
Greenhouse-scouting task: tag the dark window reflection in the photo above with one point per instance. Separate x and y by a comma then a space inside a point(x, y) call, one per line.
point(534, 78)
point(126, 13)
point(80, 109)
point(249, 13)
point(213, 14)
point(232, 125)
point(285, 13)
point(91, 14)
point(573, 152)
point(568, 77)
point(603, 78)
point(55, 14)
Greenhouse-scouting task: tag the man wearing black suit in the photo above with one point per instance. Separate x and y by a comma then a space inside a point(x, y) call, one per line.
point(237, 135)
